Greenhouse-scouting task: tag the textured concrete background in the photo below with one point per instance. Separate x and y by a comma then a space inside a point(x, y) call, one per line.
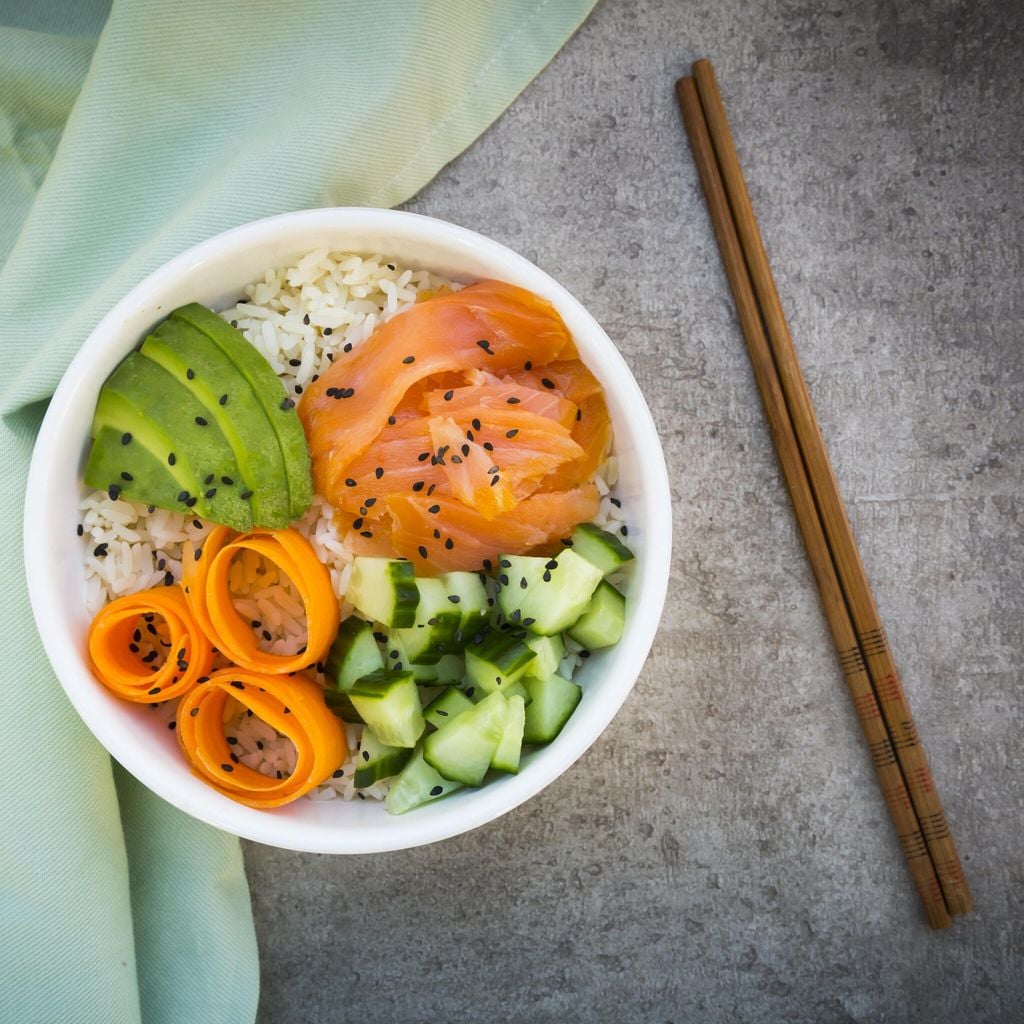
point(722, 853)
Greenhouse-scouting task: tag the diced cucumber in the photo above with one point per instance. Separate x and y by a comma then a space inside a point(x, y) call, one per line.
point(450, 670)
point(341, 705)
point(354, 653)
point(556, 592)
point(552, 701)
point(435, 626)
point(463, 749)
point(466, 593)
point(550, 651)
point(516, 689)
point(376, 760)
point(397, 659)
point(600, 548)
point(384, 590)
point(389, 703)
point(417, 784)
point(497, 660)
point(447, 705)
point(602, 623)
point(510, 746)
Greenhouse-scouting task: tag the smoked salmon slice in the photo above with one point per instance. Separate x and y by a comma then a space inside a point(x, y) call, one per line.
point(463, 427)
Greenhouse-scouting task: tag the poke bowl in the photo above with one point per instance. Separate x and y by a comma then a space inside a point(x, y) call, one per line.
point(312, 293)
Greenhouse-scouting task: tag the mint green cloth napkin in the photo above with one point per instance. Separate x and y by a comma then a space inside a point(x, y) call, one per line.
point(124, 139)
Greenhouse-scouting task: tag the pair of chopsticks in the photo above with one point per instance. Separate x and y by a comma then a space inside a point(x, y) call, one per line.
point(860, 641)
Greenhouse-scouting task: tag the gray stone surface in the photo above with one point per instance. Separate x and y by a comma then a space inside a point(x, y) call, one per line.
point(723, 853)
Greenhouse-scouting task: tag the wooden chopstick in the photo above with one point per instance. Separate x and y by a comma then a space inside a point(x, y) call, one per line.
point(784, 426)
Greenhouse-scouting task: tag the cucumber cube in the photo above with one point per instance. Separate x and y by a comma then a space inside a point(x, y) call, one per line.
point(384, 590)
point(435, 626)
point(600, 547)
point(552, 701)
point(510, 746)
point(602, 623)
point(389, 703)
point(550, 651)
point(445, 707)
point(418, 784)
point(546, 596)
point(354, 653)
point(376, 760)
point(463, 749)
point(466, 593)
point(496, 660)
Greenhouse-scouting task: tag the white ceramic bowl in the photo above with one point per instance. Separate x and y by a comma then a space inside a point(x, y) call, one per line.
point(214, 273)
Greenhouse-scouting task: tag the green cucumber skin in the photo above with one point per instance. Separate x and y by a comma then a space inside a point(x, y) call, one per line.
point(389, 704)
point(384, 590)
point(446, 707)
point(600, 548)
point(498, 660)
point(376, 760)
point(354, 653)
point(556, 594)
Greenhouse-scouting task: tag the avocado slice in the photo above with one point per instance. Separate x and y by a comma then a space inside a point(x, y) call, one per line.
point(137, 474)
point(165, 419)
point(217, 383)
point(268, 389)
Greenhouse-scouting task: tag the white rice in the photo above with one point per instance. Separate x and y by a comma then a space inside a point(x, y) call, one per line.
point(298, 317)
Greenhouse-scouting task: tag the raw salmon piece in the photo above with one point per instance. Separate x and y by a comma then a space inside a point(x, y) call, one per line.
point(460, 538)
point(488, 392)
point(473, 475)
point(566, 377)
point(489, 325)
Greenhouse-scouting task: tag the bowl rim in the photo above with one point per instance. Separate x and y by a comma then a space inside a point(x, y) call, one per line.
point(106, 340)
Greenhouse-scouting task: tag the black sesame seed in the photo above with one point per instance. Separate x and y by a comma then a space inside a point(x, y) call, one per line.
point(442, 712)
point(512, 401)
point(134, 648)
point(434, 509)
point(154, 691)
point(151, 657)
point(209, 478)
point(328, 331)
point(437, 535)
point(237, 685)
point(210, 493)
point(198, 554)
point(511, 433)
point(494, 480)
point(584, 654)
point(436, 790)
point(505, 563)
point(390, 266)
point(449, 544)
point(127, 477)
point(80, 529)
point(113, 492)
point(378, 472)
point(430, 490)
point(547, 576)
point(448, 395)
point(529, 621)
point(168, 579)
point(486, 346)
point(418, 486)
point(567, 541)
point(227, 767)
point(193, 712)
point(487, 564)
point(190, 373)
point(370, 502)
point(624, 530)
point(338, 774)
point(183, 496)
point(454, 598)
point(191, 503)
point(267, 635)
point(366, 533)
point(348, 347)
point(226, 481)
point(246, 495)
point(126, 438)
point(357, 523)
point(547, 382)
point(616, 502)
point(137, 635)
point(171, 459)
point(522, 583)
point(305, 319)
point(470, 690)
point(488, 446)
point(287, 404)
point(409, 359)
point(503, 579)
point(201, 421)
point(551, 564)
point(579, 415)
point(100, 550)
point(161, 564)
point(422, 550)
point(392, 421)
point(493, 469)
point(465, 449)
point(527, 365)
point(294, 362)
